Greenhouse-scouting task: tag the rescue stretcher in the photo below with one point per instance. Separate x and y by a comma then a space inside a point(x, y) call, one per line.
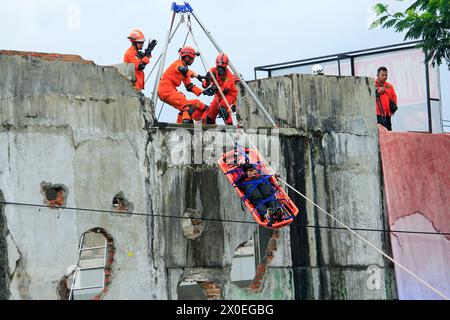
point(230, 163)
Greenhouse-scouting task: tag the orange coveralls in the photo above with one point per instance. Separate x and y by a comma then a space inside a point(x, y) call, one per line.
point(385, 97)
point(167, 92)
point(227, 84)
point(131, 57)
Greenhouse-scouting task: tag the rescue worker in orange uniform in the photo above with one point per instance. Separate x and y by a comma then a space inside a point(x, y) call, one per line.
point(171, 79)
point(385, 93)
point(226, 81)
point(140, 59)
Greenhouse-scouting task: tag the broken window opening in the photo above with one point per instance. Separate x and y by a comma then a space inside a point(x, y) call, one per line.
point(249, 256)
point(190, 290)
point(192, 224)
point(55, 195)
point(243, 264)
point(263, 236)
point(121, 204)
point(89, 278)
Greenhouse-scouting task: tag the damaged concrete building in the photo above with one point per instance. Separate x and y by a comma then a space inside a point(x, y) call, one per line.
point(76, 132)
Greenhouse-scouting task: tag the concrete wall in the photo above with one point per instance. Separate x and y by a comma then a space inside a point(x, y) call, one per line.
point(332, 158)
point(79, 125)
point(82, 125)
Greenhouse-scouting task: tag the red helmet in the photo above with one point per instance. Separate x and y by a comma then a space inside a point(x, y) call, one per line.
point(188, 51)
point(136, 36)
point(222, 60)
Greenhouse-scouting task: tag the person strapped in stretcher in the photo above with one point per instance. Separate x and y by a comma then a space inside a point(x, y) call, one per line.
point(259, 191)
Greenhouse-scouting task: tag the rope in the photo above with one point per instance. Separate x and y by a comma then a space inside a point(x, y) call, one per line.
point(160, 55)
point(184, 43)
point(205, 66)
point(219, 220)
point(335, 219)
point(162, 106)
point(419, 279)
point(369, 243)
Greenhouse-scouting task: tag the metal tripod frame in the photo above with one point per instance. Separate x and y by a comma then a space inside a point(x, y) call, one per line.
point(186, 8)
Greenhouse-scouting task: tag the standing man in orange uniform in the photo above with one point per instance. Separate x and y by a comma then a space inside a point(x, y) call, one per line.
point(226, 82)
point(140, 59)
point(385, 97)
point(171, 79)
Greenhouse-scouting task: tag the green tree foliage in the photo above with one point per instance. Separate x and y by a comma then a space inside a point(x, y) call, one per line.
point(427, 20)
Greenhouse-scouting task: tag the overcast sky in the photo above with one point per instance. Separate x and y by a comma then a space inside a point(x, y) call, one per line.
point(252, 32)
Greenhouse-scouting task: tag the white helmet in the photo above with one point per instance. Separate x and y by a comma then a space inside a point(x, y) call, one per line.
point(317, 69)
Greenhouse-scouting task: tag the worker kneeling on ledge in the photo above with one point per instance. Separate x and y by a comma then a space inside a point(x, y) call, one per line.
point(171, 79)
point(138, 58)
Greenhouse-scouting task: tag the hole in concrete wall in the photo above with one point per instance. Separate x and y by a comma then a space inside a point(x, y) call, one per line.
point(55, 195)
point(251, 258)
point(243, 264)
point(120, 203)
point(190, 290)
point(90, 278)
point(192, 225)
point(263, 236)
point(65, 284)
point(4, 272)
point(199, 284)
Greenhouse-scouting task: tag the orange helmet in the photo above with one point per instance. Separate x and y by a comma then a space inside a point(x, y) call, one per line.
point(136, 36)
point(222, 60)
point(188, 51)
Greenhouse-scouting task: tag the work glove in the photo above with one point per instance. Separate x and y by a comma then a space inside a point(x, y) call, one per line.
point(210, 91)
point(140, 54)
point(205, 83)
point(150, 47)
point(201, 78)
point(190, 109)
point(141, 66)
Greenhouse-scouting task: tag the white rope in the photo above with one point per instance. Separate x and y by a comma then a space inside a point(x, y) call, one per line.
point(160, 55)
point(415, 276)
point(370, 244)
point(207, 69)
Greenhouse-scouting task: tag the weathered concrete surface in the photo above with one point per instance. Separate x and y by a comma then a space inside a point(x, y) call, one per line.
point(4, 266)
point(81, 125)
point(127, 70)
point(311, 103)
point(334, 161)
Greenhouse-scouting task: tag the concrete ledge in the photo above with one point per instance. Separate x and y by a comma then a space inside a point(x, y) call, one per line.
point(47, 56)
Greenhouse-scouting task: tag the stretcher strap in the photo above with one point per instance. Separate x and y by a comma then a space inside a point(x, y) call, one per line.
point(253, 183)
point(272, 197)
point(233, 171)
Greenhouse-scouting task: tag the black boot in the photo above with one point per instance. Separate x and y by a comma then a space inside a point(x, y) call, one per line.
point(208, 120)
